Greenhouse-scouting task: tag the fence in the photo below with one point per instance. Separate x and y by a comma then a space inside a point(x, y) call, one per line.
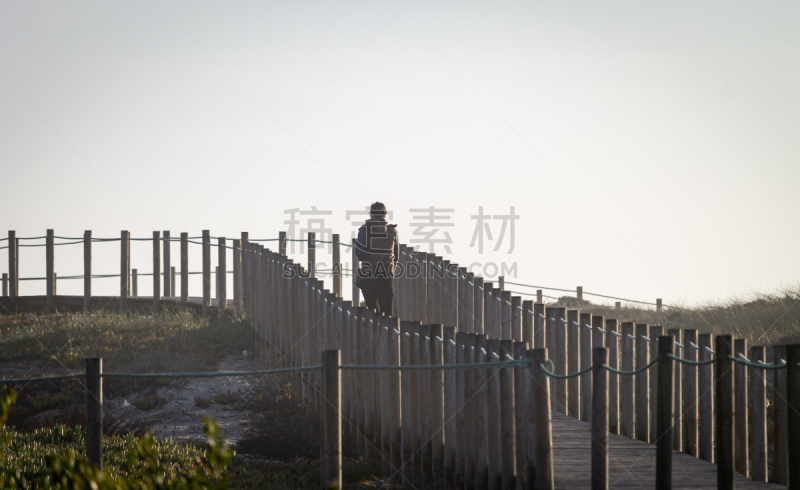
point(462, 389)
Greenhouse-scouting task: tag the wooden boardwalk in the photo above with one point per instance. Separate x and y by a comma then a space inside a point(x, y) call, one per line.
point(631, 463)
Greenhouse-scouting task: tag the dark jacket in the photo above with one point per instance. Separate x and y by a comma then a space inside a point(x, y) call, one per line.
point(378, 248)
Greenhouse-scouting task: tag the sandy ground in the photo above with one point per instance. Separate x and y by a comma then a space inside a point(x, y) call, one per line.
point(180, 418)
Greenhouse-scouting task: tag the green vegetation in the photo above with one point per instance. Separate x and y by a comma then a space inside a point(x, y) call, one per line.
point(172, 341)
point(228, 398)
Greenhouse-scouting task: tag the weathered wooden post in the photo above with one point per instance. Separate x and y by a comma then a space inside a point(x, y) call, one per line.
point(599, 419)
point(237, 274)
point(55, 284)
point(725, 423)
point(482, 415)
point(677, 400)
point(494, 421)
point(612, 344)
point(450, 408)
point(665, 393)
point(312, 254)
point(94, 411)
point(579, 293)
point(690, 392)
point(394, 397)
point(172, 273)
point(223, 274)
point(184, 269)
point(355, 291)
point(741, 400)
point(618, 305)
point(626, 395)
point(331, 474)
point(539, 296)
point(780, 421)
point(655, 332)
point(507, 417)
point(540, 435)
point(705, 383)
point(87, 269)
point(407, 451)
point(538, 325)
point(282, 243)
point(5, 284)
point(586, 362)
point(520, 407)
point(125, 264)
point(156, 271)
point(560, 355)
point(337, 268)
point(134, 283)
point(642, 385)
point(793, 401)
point(168, 283)
point(758, 415)
point(13, 269)
point(246, 274)
point(206, 271)
point(50, 268)
point(574, 356)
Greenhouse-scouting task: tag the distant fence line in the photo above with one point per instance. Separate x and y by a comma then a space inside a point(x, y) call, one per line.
point(10, 280)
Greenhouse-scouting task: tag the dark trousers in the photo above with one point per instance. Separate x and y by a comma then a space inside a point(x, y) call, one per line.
point(378, 294)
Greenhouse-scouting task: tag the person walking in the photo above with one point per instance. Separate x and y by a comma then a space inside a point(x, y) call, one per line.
point(377, 248)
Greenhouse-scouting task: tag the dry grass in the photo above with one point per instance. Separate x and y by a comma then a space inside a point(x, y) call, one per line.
point(763, 319)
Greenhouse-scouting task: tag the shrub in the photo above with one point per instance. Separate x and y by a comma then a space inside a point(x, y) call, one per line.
point(228, 398)
point(202, 401)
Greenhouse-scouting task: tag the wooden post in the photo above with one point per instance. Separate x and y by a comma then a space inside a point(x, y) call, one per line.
point(168, 282)
point(282, 243)
point(13, 270)
point(184, 269)
point(642, 382)
point(520, 407)
point(665, 391)
point(494, 420)
point(87, 269)
point(780, 421)
point(599, 419)
point(50, 271)
point(470, 412)
point(527, 322)
point(724, 413)
point(437, 405)
point(655, 332)
point(690, 392)
point(538, 325)
point(450, 408)
point(586, 362)
point(612, 344)
point(501, 283)
point(125, 264)
point(223, 275)
point(312, 254)
point(579, 293)
point(207, 271)
point(469, 303)
point(539, 296)
point(237, 274)
point(426, 415)
point(172, 281)
point(394, 398)
point(135, 283)
point(618, 305)
point(216, 282)
point(482, 415)
point(507, 417)
point(405, 420)
point(156, 271)
point(659, 305)
point(94, 411)
point(246, 273)
point(573, 408)
point(741, 400)
point(356, 293)
point(460, 432)
point(758, 415)
point(55, 284)
point(560, 355)
point(705, 385)
point(626, 396)
point(337, 267)
point(793, 401)
point(540, 435)
point(5, 284)
point(677, 396)
point(331, 474)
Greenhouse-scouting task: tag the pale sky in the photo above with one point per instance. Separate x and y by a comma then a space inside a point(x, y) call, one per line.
point(646, 146)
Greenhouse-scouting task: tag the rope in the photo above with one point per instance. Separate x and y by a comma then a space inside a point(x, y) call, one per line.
point(687, 361)
point(747, 362)
point(46, 378)
point(616, 371)
point(561, 376)
point(435, 367)
point(212, 375)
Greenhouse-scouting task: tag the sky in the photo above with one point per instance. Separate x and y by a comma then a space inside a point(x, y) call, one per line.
point(646, 147)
